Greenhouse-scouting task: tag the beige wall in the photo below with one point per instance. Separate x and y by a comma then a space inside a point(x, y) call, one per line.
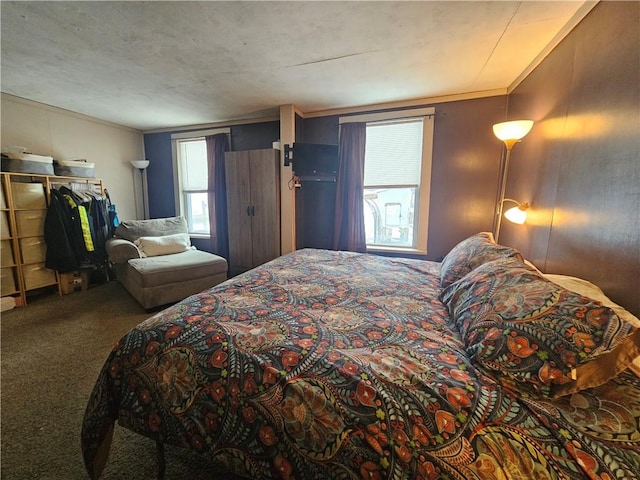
point(64, 135)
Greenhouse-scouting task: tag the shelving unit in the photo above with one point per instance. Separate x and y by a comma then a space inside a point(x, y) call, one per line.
point(23, 209)
point(11, 278)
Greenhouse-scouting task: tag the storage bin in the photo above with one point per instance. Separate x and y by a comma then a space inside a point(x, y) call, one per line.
point(6, 253)
point(37, 275)
point(3, 199)
point(28, 195)
point(5, 231)
point(33, 249)
point(30, 223)
point(74, 282)
point(27, 163)
point(8, 281)
point(73, 168)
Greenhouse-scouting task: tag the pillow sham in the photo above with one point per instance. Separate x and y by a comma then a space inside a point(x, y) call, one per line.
point(471, 253)
point(164, 244)
point(535, 336)
point(588, 289)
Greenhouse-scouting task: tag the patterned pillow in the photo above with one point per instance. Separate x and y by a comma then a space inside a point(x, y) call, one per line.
point(540, 339)
point(471, 253)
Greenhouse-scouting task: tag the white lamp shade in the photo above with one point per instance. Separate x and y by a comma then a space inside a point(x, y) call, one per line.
point(516, 215)
point(514, 130)
point(140, 164)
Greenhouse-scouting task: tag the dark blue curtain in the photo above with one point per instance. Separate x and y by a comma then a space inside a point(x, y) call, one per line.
point(349, 233)
point(217, 145)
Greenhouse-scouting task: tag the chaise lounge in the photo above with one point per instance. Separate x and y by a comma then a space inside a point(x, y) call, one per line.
point(155, 262)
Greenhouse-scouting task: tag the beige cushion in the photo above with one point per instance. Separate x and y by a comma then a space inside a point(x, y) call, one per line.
point(134, 229)
point(178, 267)
point(163, 245)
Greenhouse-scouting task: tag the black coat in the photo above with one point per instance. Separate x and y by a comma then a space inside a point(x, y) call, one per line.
point(58, 235)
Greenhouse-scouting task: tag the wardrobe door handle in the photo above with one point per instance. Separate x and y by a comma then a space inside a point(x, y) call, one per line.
point(253, 210)
point(248, 211)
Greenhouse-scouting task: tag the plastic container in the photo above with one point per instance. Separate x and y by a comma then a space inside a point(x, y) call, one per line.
point(73, 168)
point(27, 163)
point(5, 231)
point(3, 201)
point(37, 275)
point(6, 253)
point(33, 249)
point(30, 223)
point(28, 195)
point(7, 281)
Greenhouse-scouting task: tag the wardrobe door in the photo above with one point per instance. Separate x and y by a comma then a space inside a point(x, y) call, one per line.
point(238, 182)
point(265, 205)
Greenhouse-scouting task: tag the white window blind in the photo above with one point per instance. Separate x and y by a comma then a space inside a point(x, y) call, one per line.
point(193, 158)
point(393, 153)
point(191, 177)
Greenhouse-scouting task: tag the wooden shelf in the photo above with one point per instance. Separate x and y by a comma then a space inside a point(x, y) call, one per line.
point(23, 272)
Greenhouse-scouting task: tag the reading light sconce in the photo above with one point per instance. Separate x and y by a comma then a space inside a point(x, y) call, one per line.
point(142, 165)
point(510, 133)
point(517, 214)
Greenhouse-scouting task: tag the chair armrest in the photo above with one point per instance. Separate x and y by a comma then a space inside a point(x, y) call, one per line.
point(120, 250)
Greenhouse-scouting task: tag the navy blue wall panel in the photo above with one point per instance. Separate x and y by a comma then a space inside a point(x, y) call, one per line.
point(254, 136)
point(157, 147)
point(322, 130)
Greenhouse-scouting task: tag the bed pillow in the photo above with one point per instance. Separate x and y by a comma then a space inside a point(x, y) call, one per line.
point(163, 245)
point(588, 289)
point(471, 253)
point(133, 229)
point(534, 336)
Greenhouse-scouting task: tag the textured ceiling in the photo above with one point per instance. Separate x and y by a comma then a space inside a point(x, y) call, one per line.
point(152, 65)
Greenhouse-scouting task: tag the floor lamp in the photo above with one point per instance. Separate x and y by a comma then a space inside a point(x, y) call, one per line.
point(141, 165)
point(510, 133)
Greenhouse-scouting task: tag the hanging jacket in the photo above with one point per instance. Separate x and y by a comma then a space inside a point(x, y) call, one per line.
point(80, 229)
point(76, 230)
point(92, 223)
point(101, 232)
point(58, 232)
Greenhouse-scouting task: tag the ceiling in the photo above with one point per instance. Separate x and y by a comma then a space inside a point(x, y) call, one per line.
point(153, 65)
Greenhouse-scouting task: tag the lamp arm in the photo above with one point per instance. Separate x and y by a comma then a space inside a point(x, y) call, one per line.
point(511, 200)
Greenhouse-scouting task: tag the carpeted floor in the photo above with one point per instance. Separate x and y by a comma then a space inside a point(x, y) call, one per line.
point(51, 353)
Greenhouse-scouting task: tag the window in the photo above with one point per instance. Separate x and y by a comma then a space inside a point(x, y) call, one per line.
point(191, 173)
point(192, 155)
point(397, 176)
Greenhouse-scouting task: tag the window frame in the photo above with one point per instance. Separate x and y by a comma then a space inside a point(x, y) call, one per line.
point(179, 192)
point(423, 192)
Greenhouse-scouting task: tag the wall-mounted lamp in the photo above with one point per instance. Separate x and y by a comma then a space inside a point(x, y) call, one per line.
point(510, 133)
point(517, 214)
point(142, 165)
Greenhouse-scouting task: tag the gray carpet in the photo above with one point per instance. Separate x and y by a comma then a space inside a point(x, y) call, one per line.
point(51, 353)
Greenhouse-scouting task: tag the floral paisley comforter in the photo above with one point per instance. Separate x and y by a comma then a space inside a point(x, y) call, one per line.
point(339, 365)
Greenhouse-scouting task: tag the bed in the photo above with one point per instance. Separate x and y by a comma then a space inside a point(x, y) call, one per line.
point(324, 364)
